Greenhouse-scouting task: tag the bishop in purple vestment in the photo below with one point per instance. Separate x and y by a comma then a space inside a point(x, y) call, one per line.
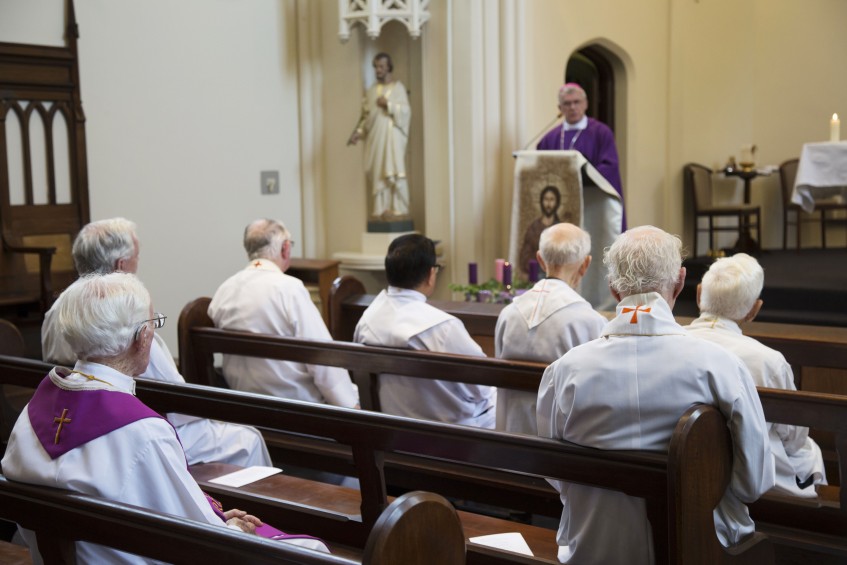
point(588, 136)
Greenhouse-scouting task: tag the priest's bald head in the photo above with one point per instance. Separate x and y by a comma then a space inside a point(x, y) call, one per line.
point(563, 252)
point(268, 239)
point(106, 246)
point(645, 259)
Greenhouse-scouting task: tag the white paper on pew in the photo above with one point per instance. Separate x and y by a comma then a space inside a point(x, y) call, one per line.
point(245, 476)
point(511, 541)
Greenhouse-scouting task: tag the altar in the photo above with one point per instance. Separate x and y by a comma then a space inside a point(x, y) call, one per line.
point(821, 174)
point(585, 199)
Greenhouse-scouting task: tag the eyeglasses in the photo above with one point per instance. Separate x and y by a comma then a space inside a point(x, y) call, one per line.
point(438, 267)
point(290, 242)
point(158, 320)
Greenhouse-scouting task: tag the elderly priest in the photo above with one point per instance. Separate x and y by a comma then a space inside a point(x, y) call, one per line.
point(85, 430)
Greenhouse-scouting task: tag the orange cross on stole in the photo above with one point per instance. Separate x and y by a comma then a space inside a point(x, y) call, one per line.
point(634, 319)
point(257, 264)
point(61, 420)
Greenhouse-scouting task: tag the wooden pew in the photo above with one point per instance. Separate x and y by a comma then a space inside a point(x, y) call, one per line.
point(680, 488)
point(818, 411)
point(59, 518)
point(803, 346)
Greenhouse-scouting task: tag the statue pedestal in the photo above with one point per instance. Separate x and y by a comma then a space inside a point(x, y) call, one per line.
point(392, 226)
point(369, 264)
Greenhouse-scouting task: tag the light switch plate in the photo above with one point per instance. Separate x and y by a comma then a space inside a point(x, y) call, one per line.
point(270, 182)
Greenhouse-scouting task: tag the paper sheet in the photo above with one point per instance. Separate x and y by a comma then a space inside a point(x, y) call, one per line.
point(245, 476)
point(511, 541)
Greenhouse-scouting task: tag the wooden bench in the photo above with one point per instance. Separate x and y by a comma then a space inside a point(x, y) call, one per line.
point(823, 413)
point(60, 518)
point(680, 488)
point(804, 347)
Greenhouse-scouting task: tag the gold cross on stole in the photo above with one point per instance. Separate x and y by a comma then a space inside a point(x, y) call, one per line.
point(61, 420)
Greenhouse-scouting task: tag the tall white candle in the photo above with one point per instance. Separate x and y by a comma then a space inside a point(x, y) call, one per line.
point(835, 128)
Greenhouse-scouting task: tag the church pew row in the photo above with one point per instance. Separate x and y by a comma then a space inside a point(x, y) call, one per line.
point(820, 519)
point(817, 354)
point(59, 518)
point(680, 488)
point(803, 346)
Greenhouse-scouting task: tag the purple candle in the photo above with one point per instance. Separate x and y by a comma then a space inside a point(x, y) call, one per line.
point(472, 273)
point(507, 274)
point(533, 270)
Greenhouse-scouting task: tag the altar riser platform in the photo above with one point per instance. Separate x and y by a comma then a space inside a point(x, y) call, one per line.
point(809, 287)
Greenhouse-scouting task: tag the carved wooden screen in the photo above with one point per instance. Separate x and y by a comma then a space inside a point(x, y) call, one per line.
point(43, 175)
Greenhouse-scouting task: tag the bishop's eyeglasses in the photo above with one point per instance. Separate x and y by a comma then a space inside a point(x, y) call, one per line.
point(158, 320)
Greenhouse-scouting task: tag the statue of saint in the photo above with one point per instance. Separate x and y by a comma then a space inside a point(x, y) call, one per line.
point(384, 125)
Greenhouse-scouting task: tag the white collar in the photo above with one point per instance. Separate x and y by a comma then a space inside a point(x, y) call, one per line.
point(104, 378)
point(406, 293)
point(263, 265)
point(581, 124)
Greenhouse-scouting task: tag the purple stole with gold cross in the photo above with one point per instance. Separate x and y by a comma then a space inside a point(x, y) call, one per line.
point(65, 419)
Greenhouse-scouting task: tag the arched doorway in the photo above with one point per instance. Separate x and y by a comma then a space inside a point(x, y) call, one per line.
point(591, 67)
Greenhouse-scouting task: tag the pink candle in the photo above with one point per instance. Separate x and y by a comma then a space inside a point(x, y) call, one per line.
point(507, 274)
point(473, 275)
point(498, 269)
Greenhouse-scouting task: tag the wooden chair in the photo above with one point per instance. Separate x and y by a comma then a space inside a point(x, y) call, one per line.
point(40, 88)
point(787, 175)
point(697, 180)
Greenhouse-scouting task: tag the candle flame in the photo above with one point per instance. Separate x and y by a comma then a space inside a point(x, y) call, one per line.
point(835, 117)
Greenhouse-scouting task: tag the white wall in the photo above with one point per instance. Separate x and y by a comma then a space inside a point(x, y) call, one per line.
point(186, 102)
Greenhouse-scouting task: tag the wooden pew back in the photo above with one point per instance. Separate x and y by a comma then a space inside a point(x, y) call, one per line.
point(679, 514)
point(420, 520)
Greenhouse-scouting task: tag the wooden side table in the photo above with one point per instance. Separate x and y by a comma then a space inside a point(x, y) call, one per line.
point(316, 271)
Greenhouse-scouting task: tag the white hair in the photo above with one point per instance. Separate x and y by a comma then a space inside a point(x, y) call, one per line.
point(731, 286)
point(644, 259)
point(100, 245)
point(263, 238)
point(99, 314)
point(571, 88)
point(564, 244)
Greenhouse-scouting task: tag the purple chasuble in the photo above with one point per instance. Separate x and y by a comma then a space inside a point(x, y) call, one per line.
point(597, 143)
point(65, 419)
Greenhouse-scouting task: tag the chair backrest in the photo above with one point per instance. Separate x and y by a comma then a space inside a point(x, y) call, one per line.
point(787, 174)
point(40, 92)
point(698, 180)
point(418, 528)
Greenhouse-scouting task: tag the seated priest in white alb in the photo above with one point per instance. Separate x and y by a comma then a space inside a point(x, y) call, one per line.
point(545, 322)
point(400, 317)
point(85, 430)
point(111, 245)
point(261, 298)
point(628, 389)
point(728, 297)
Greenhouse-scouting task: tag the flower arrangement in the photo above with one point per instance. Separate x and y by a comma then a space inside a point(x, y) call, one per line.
point(498, 290)
point(492, 291)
